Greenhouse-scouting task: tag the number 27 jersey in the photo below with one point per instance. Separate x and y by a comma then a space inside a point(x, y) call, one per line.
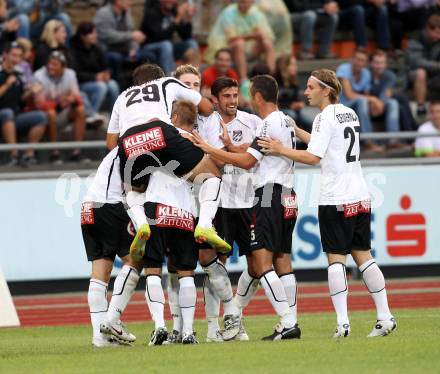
point(139, 104)
point(335, 139)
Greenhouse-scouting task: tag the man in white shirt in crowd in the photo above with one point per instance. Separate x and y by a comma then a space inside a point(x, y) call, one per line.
point(430, 146)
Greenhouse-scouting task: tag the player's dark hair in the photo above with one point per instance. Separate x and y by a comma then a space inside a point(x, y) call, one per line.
point(434, 103)
point(146, 73)
point(222, 83)
point(329, 78)
point(186, 111)
point(267, 86)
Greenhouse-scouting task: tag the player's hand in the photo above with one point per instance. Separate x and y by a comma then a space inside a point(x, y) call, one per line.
point(270, 146)
point(199, 142)
point(225, 138)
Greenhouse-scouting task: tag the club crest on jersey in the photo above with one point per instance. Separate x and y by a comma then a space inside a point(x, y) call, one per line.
point(144, 142)
point(290, 206)
point(237, 135)
point(169, 216)
point(87, 214)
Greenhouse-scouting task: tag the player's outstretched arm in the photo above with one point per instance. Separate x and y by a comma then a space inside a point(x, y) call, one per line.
point(275, 147)
point(301, 134)
point(241, 160)
point(205, 107)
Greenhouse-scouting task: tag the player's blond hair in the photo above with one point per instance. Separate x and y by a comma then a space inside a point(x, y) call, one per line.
point(186, 69)
point(186, 112)
point(329, 80)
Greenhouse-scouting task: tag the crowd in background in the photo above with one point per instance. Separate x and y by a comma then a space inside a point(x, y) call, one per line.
point(54, 75)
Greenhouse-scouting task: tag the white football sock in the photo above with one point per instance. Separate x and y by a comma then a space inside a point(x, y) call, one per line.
point(155, 299)
point(375, 283)
point(187, 301)
point(221, 284)
point(123, 289)
point(246, 288)
point(209, 194)
point(337, 284)
point(173, 301)
point(136, 212)
point(291, 288)
point(212, 307)
point(274, 290)
point(98, 304)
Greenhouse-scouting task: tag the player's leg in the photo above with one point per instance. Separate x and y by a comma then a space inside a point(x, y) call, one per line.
point(375, 282)
point(274, 289)
point(173, 301)
point(338, 287)
point(123, 290)
point(336, 231)
point(187, 302)
point(97, 298)
point(283, 266)
point(220, 284)
point(211, 302)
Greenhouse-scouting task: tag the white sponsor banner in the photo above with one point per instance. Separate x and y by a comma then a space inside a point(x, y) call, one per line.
point(41, 234)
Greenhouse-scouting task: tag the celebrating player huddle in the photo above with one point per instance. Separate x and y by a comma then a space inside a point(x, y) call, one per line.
point(141, 205)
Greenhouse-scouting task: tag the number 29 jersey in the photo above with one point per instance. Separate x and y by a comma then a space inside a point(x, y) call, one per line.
point(335, 139)
point(139, 104)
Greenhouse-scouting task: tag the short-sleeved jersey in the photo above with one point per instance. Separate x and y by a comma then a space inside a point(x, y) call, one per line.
point(274, 169)
point(335, 139)
point(139, 104)
point(106, 186)
point(171, 190)
point(237, 187)
point(427, 145)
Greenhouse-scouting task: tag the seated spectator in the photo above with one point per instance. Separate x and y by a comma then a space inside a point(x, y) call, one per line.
point(383, 86)
point(92, 69)
point(407, 16)
point(278, 17)
point(34, 14)
point(116, 34)
point(245, 30)
point(308, 15)
point(12, 25)
point(289, 100)
point(14, 121)
point(430, 147)
point(222, 67)
point(25, 64)
point(423, 55)
point(356, 84)
point(53, 38)
point(162, 22)
point(60, 98)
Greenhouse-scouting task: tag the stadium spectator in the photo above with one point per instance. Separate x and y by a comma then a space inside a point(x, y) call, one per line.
point(356, 84)
point(289, 100)
point(53, 38)
point(34, 14)
point(163, 21)
point(14, 121)
point(430, 147)
point(92, 69)
point(25, 64)
point(245, 29)
point(383, 86)
point(278, 17)
point(116, 33)
point(311, 14)
point(222, 67)
point(60, 97)
point(8, 27)
point(423, 55)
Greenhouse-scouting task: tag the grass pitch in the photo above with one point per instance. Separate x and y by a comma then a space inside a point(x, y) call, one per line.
point(413, 348)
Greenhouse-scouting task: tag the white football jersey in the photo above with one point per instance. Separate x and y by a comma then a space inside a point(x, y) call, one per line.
point(335, 139)
point(170, 190)
point(237, 187)
point(107, 185)
point(274, 169)
point(139, 104)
